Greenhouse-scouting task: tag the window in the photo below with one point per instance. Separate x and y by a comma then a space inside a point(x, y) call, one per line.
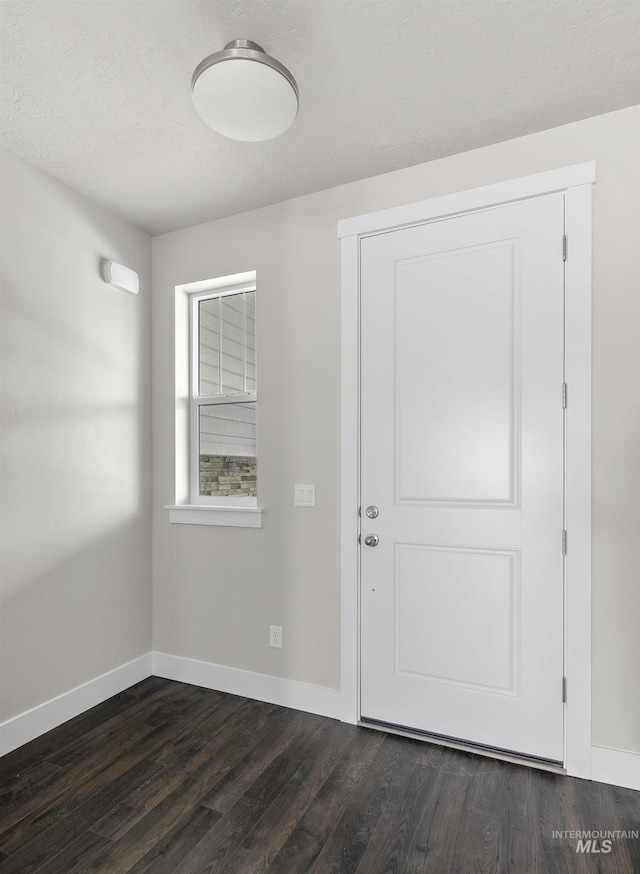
point(222, 396)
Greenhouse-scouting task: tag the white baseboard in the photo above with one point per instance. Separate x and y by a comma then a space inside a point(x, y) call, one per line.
point(31, 724)
point(618, 767)
point(261, 687)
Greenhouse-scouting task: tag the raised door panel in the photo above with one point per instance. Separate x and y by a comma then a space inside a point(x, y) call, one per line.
point(456, 375)
point(457, 616)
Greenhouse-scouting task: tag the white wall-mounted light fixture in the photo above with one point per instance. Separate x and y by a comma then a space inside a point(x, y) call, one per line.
point(120, 277)
point(244, 94)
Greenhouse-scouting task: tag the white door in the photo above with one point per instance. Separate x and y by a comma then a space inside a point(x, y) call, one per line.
point(462, 348)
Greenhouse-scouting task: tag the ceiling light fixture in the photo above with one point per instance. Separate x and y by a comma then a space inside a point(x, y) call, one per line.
point(249, 97)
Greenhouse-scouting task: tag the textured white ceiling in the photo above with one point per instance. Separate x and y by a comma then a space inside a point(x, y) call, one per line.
point(97, 92)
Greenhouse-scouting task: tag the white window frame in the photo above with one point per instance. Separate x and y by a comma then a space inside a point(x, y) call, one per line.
point(188, 507)
point(197, 400)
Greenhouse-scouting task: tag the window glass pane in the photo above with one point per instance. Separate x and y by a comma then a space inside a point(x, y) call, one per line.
point(232, 341)
point(227, 344)
point(227, 462)
point(209, 346)
point(250, 333)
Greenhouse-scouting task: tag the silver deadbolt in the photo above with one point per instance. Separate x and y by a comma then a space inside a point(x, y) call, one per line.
point(372, 540)
point(372, 512)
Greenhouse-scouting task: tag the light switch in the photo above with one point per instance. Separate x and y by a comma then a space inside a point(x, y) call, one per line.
point(304, 496)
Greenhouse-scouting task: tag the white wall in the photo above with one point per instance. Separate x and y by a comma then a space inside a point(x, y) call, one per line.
point(76, 442)
point(216, 590)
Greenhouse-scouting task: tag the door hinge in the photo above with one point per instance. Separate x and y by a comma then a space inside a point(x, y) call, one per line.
point(359, 539)
point(564, 395)
point(564, 689)
point(564, 247)
point(564, 541)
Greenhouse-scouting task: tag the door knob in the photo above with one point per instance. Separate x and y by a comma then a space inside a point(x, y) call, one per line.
point(371, 540)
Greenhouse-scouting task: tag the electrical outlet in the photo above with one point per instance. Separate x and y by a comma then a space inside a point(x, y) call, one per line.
point(275, 636)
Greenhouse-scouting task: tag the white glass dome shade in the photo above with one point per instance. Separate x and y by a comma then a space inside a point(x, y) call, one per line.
point(244, 94)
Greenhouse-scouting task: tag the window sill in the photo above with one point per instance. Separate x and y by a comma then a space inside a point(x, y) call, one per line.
point(207, 514)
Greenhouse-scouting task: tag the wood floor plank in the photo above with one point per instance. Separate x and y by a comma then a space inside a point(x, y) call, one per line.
point(384, 780)
point(394, 834)
point(477, 846)
point(305, 843)
point(25, 783)
point(613, 809)
point(37, 750)
point(154, 710)
point(146, 687)
point(136, 740)
point(247, 770)
point(478, 843)
point(168, 777)
point(76, 854)
point(191, 699)
point(192, 777)
point(520, 819)
point(19, 790)
point(65, 792)
point(624, 807)
point(80, 727)
point(434, 840)
point(215, 850)
point(265, 840)
point(132, 844)
point(220, 709)
point(558, 812)
point(60, 783)
point(167, 855)
point(31, 856)
point(486, 785)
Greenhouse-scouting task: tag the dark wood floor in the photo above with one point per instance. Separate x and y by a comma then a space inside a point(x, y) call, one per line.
point(173, 778)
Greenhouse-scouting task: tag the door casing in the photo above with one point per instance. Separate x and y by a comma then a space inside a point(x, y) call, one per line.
point(576, 182)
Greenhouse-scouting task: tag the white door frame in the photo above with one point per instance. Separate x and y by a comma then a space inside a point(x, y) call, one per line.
point(576, 182)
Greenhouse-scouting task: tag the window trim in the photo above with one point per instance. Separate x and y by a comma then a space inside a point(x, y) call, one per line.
point(209, 514)
point(230, 510)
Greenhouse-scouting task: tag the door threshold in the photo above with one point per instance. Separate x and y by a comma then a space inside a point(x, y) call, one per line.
point(479, 749)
